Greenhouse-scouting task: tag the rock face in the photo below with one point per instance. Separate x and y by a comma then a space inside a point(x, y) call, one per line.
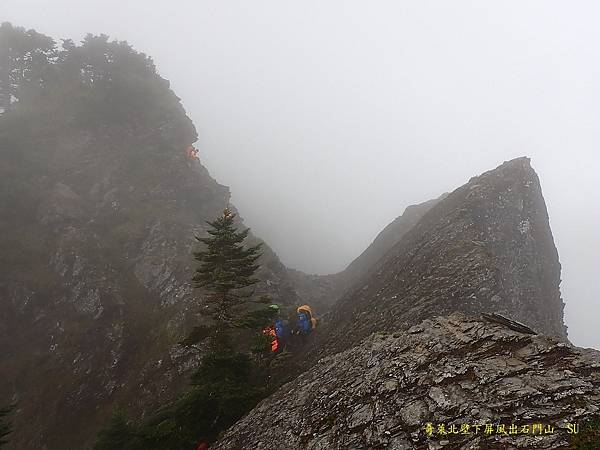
point(385, 240)
point(327, 289)
point(486, 247)
point(97, 226)
point(90, 319)
point(99, 205)
point(446, 371)
point(436, 357)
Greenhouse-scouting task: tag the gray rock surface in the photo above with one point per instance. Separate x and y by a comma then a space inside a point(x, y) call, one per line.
point(326, 290)
point(98, 213)
point(95, 288)
point(360, 267)
point(443, 330)
point(486, 247)
point(451, 370)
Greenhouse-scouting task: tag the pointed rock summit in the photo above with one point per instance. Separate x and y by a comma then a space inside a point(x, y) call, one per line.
point(486, 247)
point(460, 322)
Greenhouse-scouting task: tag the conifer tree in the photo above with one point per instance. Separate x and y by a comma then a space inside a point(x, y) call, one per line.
point(118, 435)
point(228, 382)
point(225, 264)
point(226, 268)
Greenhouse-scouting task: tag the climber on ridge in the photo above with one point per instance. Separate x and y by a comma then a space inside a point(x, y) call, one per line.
point(281, 334)
point(192, 152)
point(278, 331)
point(306, 322)
point(272, 335)
point(281, 327)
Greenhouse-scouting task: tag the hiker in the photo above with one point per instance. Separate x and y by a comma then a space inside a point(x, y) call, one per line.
point(281, 326)
point(279, 331)
point(282, 329)
point(306, 322)
point(192, 152)
point(283, 332)
point(270, 332)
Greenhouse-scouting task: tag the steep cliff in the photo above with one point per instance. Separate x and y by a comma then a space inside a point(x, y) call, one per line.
point(448, 371)
point(360, 267)
point(385, 240)
point(486, 247)
point(325, 290)
point(99, 206)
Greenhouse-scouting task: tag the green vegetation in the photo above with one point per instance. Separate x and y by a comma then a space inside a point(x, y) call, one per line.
point(92, 84)
point(48, 90)
point(231, 378)
point(225, 268)
point(119, 434)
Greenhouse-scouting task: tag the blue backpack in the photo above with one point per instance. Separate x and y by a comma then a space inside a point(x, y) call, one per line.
point(304, 325)
point(279, 328)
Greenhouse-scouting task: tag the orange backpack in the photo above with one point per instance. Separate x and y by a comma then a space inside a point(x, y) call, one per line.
point(308, 311)
point(270, 331)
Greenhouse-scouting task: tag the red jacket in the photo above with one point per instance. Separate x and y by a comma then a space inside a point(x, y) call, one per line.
point(270, 331)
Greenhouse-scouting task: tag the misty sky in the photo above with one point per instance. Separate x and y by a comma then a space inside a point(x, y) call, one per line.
point(328, 118)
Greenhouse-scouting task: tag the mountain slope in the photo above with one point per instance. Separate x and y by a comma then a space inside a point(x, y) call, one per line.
point(325, 290)
point(99, 206)
point(383, 242)
point(386, 239)
point(486, 247)
point(447, 371)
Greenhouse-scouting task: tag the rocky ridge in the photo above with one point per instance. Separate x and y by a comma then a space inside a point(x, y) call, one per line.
point(99, 206)
point(98, 323)
point(486, 247)
point(430, 336)
point(446, 371)
point(360, 267)
point(325, 290)
point(99, 209)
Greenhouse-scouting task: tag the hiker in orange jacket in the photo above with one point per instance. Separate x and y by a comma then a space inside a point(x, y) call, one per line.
point(271, 333)
point(192, 152)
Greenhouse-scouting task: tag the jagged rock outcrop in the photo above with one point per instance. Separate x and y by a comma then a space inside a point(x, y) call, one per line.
point(91, 319)
point(485, 250)
point(446, 371)
point(385, 240)
point(99, 206)
point(486, 247)
point(325, 290)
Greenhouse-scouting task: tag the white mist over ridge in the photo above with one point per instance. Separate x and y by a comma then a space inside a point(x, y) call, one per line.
point(327, 120)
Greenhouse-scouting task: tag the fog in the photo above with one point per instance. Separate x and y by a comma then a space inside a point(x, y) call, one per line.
point(327, 119)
